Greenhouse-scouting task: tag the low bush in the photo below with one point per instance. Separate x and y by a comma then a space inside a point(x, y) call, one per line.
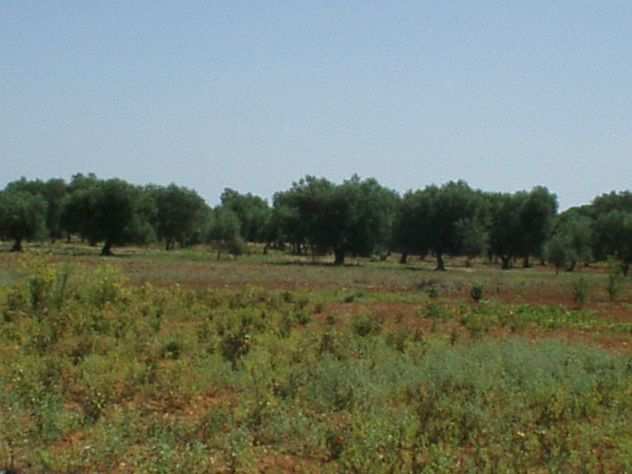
point(145, 379)
point(616, 279)
point(581, 290)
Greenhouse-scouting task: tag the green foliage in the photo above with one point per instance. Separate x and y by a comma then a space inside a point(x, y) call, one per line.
point(252, 212)
point(119, 376)
point(557, 252)
point(613, 236)
point(106, 287)
point(442, 219)
point(364, 325)
point(353, 297)
point(581, 290)
point(521, 223)
point(358, 217)
point(476, 292)
point(574, 236)
point(473, 237)
point(537, 212)
point(478, 323)
point(44, 291)
point(107, 211)
point(22, 217)
point(615, 279)
point(353, 217)
point(179, 212)
point(435, 311)
point(52, 192)
point(225, 232)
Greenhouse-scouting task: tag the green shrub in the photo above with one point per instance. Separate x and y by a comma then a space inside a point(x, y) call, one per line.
point(616, 279)
point(478, 324)
point(581, 290)
point(171, 350)
point(433, 292)
point(234, 345)
point(364, 325)
point(302, 317)
point(353, 297)
point(476, 292)
point(334, 443)
point(435, 311)
point(174, 380)
point(107, 285)
point(399, 339)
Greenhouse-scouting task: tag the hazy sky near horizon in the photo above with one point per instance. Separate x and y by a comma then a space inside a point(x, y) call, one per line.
point(253, 95)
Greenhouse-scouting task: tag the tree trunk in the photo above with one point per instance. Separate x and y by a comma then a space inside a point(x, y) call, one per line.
point(468, 261)
point(17, 245)
point(626, 268)
point(525, 262)
point(339, 257)
point(571, 267)
point(506, 262)
point(403, 259)
point(106, 251)
point(440, 263)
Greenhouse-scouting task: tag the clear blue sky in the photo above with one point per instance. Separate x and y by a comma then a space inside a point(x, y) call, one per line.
point(253, 95)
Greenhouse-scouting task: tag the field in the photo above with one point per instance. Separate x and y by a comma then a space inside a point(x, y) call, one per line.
point(164, 362)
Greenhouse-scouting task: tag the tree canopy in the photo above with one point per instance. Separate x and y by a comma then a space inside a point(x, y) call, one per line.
point(435, 218)
point(521, 223)
point(22, 217)
point(356, 217)
point(178, 214)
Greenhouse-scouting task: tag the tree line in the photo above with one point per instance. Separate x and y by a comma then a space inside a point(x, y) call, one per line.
point(315, 216)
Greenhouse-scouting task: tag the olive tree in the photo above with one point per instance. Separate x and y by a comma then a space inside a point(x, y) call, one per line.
point(178, 212)
point(473, 236)
point(520, 223)
point(52, 192)
point(576, 232)
point(225, 232)
point(442, 211)
point(105, 211)
point(613, 236)
point(252, 212)
point(557, 252)
point(22, 217)
point(407, 238)
point(537, 213)
point(355, 217)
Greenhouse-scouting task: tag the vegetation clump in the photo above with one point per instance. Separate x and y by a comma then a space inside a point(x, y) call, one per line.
point(100, 368)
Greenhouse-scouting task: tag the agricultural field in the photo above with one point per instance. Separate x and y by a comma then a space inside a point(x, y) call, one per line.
point(159, 361)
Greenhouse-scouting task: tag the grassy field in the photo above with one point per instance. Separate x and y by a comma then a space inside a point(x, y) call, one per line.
point(157, 361)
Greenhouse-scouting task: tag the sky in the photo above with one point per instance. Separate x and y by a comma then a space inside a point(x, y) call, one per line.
point(253, 95)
